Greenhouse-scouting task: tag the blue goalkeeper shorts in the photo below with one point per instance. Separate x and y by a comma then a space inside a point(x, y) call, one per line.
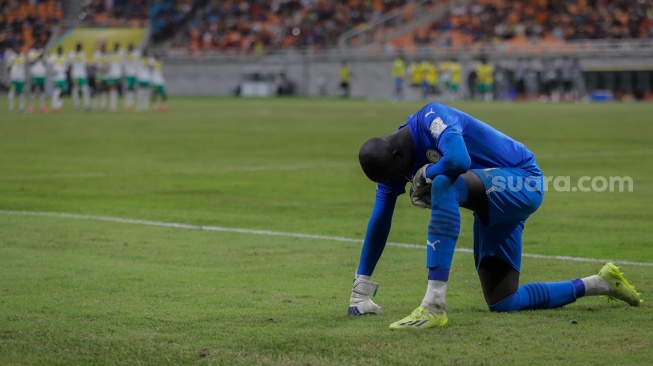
point(513, 194)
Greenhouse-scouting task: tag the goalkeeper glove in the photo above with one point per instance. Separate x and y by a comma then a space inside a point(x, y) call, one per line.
point(420, 190)
point(360, 302)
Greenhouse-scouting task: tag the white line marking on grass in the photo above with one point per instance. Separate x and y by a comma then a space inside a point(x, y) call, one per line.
point(281, 233)
point(54, 176)
point(593, 154)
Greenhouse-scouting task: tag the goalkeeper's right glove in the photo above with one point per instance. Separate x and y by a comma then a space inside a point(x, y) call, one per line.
point(420, 190)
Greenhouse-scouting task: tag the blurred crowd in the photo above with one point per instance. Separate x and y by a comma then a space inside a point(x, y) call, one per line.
point(494, 21)
point(27, 22)
point(259, 25)
point(256, 26)
point(165, 17)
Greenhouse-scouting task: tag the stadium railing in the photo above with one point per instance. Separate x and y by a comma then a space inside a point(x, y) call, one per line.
point(612, 49)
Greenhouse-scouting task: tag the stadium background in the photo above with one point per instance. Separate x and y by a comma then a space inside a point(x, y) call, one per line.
point(227, 230)
point(211, 47)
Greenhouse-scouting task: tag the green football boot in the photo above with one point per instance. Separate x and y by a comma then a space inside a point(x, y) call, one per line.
point(421, 318)
point(622, 290)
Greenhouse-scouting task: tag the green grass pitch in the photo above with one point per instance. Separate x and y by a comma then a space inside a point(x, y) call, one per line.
point(94, 271)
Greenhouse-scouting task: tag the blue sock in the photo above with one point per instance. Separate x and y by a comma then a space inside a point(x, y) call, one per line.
point(444, 227)
point(538, 295)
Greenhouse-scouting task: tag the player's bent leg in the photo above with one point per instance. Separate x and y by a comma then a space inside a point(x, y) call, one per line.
point(421, 318)
point(620, 288)
point(502, 293)
point(498, 279)
point(360, 302)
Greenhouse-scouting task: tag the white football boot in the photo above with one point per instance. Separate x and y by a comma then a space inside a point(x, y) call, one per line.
point(360, 302)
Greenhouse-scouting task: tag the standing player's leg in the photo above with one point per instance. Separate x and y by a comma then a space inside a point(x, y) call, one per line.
point(128, 101)
point(113, 94)
point(41, 89)
point(16, 88)
point(155, 94)
point(86, 94)
point(12, 96)
point(447, 195)
point(74, 92)
point(32, 96)
point(164, 98)
point(59, 89)
point(104, 95)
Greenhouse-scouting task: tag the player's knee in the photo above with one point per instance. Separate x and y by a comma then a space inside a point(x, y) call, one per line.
point(508, 304)
point(442, 187)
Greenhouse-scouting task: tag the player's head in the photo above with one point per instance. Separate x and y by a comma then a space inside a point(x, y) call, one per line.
point(387, 158)
point(59, 50)
point(78, 47)
point(130, 47)
point(116, 46)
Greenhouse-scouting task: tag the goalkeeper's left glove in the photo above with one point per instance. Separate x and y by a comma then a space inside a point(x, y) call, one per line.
point(360, 302)
point(420, 190)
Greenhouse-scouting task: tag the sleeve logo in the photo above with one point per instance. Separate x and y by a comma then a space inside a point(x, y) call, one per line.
point(437, 126)
point(432, 156)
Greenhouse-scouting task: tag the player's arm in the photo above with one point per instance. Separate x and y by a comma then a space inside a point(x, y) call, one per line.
point(378, 227)
point(9, 61)
point(455, 159)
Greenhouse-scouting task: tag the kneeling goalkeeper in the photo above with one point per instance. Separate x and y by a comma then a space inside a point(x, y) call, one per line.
point(455, 160)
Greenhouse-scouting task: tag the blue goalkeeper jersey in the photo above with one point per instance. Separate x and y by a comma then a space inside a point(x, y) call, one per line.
point(486, 146)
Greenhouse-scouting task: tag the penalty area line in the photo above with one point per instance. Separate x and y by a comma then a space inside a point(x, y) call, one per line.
point(287, 234)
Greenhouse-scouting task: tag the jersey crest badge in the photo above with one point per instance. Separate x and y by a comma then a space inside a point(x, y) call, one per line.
point(432, 156)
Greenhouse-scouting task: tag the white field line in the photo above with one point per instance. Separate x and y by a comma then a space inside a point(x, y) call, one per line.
point(289, 167)
point(287, 234)
point(593, 154)
point(55, 176)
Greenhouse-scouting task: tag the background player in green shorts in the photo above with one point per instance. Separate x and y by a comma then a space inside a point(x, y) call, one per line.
point(37, 73)
point(132, 63)
point(144, 78)
point(58, 65)
point(15, 62)
point(158, 86)
point(79, 74)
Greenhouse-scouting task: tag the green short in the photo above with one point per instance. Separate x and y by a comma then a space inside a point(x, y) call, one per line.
point(143, 83)
point(112, 81)
point(61, 84)
point(484, 87)
point(131, 82)
point(451, 86)
point(159, 89)
point(80, 82)
point(38, 81)
point(17, 86)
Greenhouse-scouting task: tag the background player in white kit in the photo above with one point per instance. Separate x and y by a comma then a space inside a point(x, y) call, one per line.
point(15, 62)
point(158, 86)
point(58, 66)
point(79, 75)
point(114, 75)
point(144, 79)
point(37, 74)
point(132, 64)
point(101, 62)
